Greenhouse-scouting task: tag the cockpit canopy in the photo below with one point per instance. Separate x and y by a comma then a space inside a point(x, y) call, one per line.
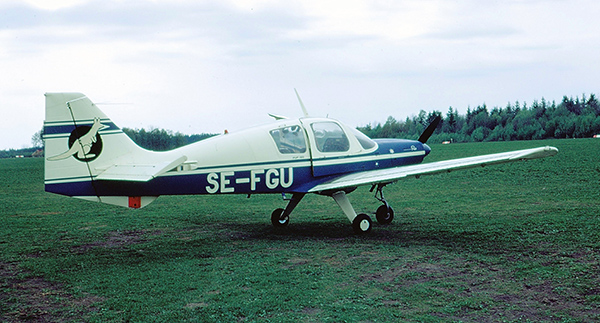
point(329, 137)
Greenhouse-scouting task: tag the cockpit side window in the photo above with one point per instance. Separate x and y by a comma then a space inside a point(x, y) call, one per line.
point(330, 137)
point(289, 140)
point(366, 142)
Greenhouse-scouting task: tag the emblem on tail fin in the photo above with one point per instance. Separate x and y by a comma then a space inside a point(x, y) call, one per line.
point(85, 144)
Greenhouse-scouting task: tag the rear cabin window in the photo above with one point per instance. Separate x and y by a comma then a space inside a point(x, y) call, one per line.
point(289, 140)
point(330, 137)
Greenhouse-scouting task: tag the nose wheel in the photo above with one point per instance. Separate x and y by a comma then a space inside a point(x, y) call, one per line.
point(385, 213)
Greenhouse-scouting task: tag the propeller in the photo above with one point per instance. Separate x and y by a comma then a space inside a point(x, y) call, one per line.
point(430, 129)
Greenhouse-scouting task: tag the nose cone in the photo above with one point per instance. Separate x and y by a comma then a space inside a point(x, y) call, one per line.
point(427, 149)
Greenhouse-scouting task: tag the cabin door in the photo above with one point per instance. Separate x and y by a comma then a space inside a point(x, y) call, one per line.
point(329, 146)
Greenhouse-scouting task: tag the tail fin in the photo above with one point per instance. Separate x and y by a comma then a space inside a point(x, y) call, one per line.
point(81, 143)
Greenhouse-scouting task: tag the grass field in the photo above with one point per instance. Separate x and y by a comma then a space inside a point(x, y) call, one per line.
point(508, 243)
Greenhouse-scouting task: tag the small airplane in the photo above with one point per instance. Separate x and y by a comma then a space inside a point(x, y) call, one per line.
point(90, 158)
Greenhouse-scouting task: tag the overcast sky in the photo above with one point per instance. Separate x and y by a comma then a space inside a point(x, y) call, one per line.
point(206, 66)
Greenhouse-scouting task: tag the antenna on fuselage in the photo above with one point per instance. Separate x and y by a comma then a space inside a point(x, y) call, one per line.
point(301, 104)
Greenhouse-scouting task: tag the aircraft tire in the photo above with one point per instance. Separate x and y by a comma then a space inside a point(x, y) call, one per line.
point(384, 214)
point(276, 219)
point(362, 224)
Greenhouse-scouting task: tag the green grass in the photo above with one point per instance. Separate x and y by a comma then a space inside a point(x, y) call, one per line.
point(508, 243)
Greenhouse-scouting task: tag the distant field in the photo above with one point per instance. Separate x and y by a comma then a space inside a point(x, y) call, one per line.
point(508, 243)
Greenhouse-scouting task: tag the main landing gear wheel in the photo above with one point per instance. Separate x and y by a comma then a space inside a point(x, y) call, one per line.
point(361, 224)
point(384, 214)
point(277, 220)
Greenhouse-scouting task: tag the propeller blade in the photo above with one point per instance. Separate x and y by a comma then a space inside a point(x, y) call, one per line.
point(430, 129)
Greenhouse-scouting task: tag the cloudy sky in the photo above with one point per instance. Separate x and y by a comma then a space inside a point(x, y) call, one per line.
point(206, 66)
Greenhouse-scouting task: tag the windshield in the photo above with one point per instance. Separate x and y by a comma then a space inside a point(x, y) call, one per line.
point(364, 141)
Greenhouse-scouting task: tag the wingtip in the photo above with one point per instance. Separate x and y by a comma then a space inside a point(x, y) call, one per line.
point(551, 151)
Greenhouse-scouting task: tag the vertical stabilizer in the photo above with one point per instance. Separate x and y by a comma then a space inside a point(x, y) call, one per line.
point(80, 143)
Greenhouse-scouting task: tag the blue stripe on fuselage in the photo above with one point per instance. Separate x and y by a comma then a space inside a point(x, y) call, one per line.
point(255, 181)
point(250, 178)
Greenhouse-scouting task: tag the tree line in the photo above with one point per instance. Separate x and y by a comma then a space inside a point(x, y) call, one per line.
point(161, 139)
point(571, 118)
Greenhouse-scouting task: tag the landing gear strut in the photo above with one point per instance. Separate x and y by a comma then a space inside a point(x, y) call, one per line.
point(385, 213)
point(360, 223)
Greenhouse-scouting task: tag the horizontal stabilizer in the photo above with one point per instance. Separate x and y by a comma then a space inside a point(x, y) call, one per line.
point(138, 172)
point(389, 175)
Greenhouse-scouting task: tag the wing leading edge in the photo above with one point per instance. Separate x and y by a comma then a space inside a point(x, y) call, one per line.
point(389, 175)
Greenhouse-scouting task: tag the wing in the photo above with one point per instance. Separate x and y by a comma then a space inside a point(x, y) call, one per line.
point(389, 175)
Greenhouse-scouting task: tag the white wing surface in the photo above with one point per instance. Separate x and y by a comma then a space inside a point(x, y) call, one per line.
point(389, 175)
